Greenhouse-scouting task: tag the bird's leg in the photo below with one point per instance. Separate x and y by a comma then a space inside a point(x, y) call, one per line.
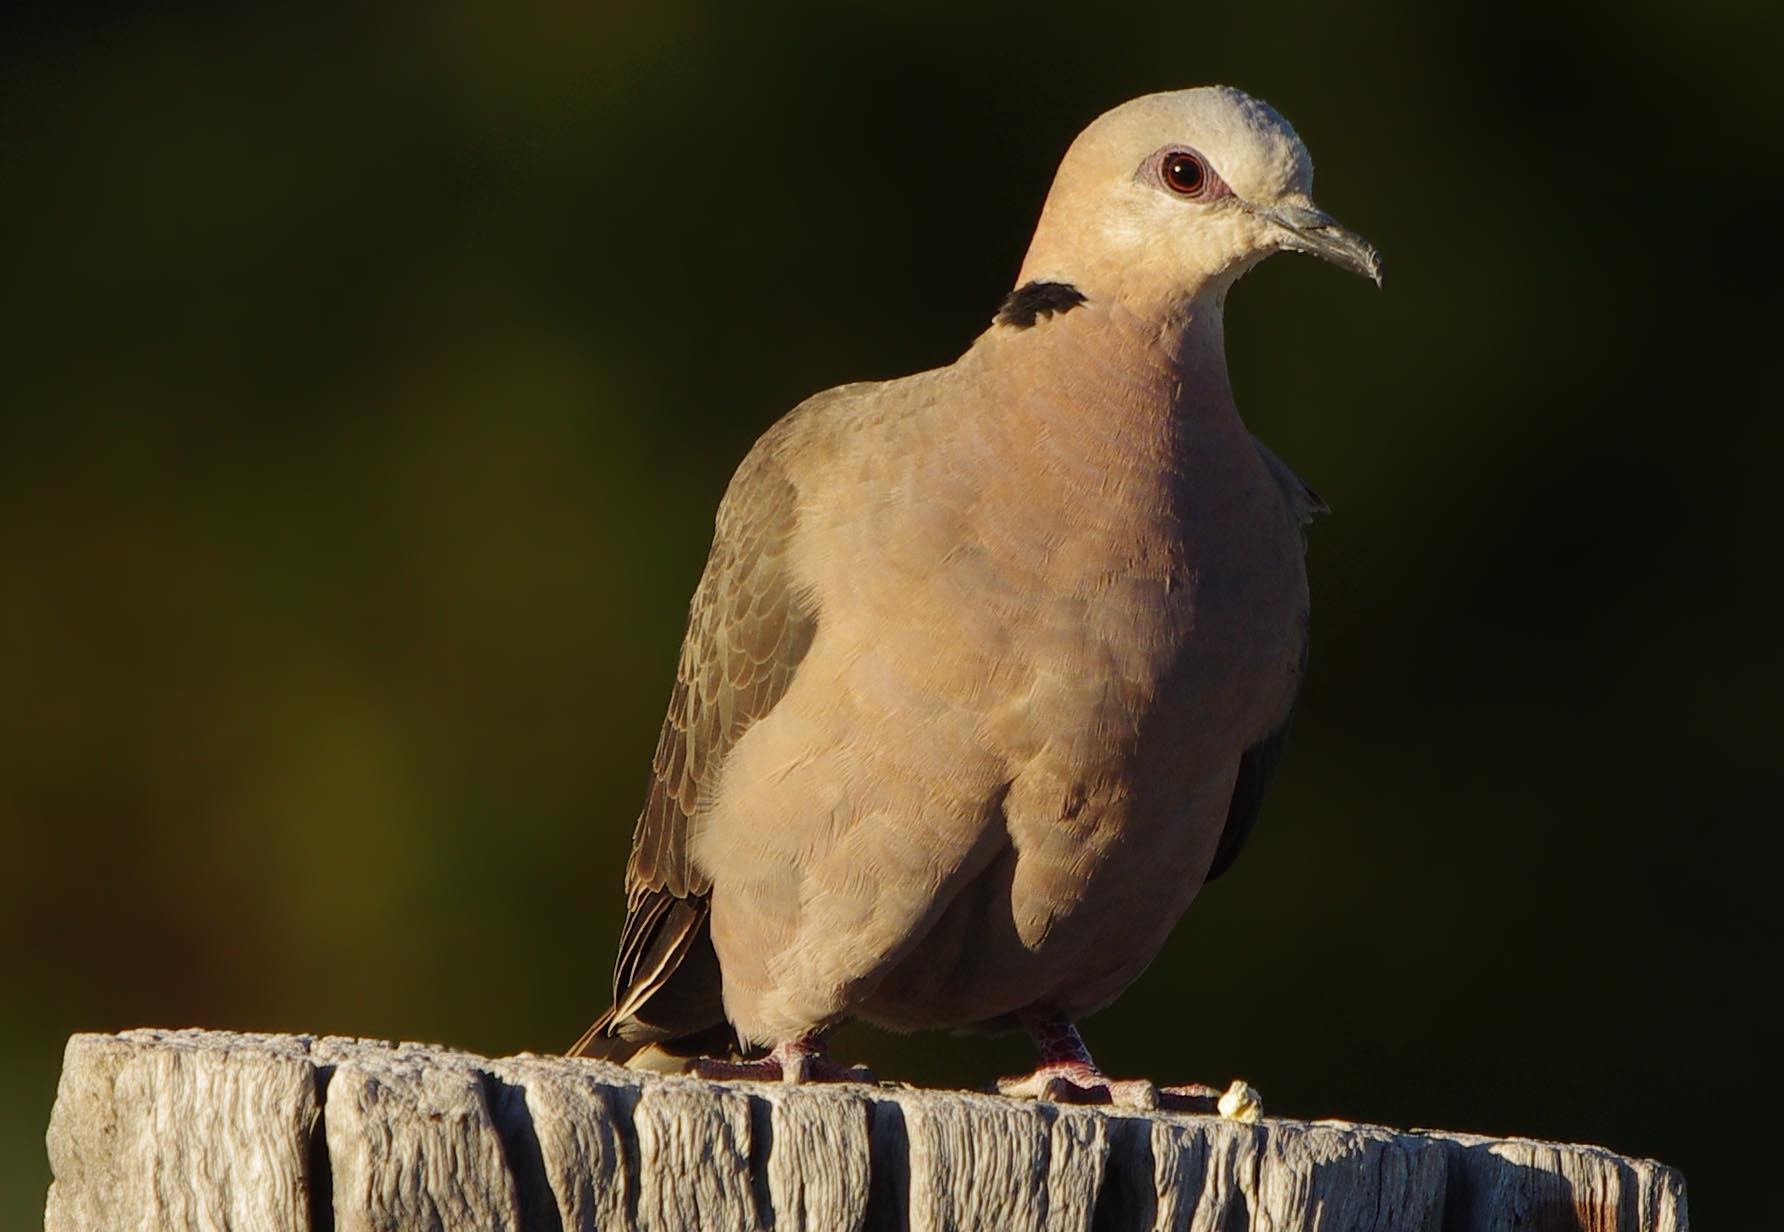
point(1066, 1074)
point(805, 1059)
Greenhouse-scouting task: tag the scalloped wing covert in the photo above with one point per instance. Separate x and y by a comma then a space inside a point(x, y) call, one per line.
point(748, 631)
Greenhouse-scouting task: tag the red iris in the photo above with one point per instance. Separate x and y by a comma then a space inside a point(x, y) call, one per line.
point(1185, 173)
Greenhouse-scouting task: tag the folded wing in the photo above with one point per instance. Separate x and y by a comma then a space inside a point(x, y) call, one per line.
point(748, 631)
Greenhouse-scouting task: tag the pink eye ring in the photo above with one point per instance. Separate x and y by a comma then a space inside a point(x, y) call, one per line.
point(1187, 174)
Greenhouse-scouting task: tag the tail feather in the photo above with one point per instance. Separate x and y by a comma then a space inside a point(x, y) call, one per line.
point(667, 1000)
point(598, 1042)
point(668, 1055)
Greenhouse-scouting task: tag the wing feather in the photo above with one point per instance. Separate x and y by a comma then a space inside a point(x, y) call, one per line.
point(748, 631)
point(1258, 763)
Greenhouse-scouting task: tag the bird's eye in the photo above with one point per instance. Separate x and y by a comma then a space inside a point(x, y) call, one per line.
point(1185, 173)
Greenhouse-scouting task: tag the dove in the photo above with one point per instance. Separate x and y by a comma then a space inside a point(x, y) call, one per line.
point(990, 666)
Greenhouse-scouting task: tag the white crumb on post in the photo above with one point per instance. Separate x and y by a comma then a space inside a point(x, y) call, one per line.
point(1242, 1103)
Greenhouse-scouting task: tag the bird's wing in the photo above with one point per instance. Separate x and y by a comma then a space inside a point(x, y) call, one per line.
point(1258, 763)
point(1256, 766)
point(748, 630)
point(1303, 502)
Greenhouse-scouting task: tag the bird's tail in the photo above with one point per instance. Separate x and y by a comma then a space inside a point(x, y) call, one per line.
point(665, 1056)
point(599, 1042)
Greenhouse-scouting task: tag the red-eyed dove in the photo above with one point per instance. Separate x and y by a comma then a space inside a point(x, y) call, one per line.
point(990, 665)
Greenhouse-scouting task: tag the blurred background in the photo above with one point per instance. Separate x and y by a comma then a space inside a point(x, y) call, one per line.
point(369, 382)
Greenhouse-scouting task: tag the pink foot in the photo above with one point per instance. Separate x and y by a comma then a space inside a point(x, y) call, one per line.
point(1074, 1083)
point(1067, 1075)
point(798, 1062)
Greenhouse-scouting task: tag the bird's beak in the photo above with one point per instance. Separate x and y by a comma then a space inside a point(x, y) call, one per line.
point(1317, 232)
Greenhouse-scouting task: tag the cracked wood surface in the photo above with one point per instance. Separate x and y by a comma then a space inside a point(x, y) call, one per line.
point(207, 1129)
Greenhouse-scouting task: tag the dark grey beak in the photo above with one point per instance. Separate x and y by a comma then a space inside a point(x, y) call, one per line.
point(1318, 233)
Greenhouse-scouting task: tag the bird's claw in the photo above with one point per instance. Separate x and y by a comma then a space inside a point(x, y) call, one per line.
point(822, 1069)
point(796, 1066)
point(1075, 1084)
point(1189, 1097)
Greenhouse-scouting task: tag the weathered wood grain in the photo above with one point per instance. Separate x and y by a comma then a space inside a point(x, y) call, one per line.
point(211, 1130)
point(412, 1143)
point(182, 1131)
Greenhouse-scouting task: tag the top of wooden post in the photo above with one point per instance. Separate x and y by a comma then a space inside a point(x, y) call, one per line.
point(190, 1129)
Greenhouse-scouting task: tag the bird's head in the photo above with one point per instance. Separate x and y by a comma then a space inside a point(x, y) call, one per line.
point(1170, 197)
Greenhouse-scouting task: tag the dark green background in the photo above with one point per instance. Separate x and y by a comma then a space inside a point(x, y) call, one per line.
point(369, 384)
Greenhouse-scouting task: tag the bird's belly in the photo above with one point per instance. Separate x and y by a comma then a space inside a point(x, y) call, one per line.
point(1101, 921)
point(1010, 774)
point(1119, 778)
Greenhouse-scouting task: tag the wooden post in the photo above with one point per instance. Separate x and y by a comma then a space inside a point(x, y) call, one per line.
point(202, 1129)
